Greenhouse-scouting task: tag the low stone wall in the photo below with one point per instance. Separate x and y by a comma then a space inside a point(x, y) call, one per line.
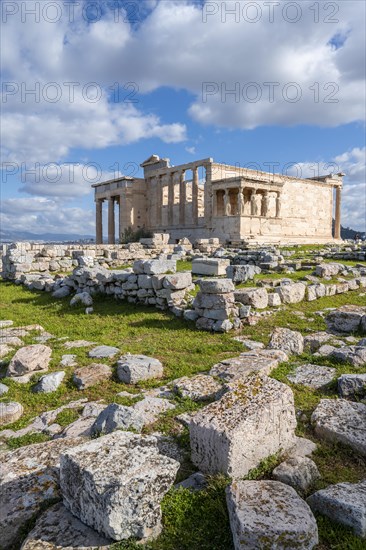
point(19, 258)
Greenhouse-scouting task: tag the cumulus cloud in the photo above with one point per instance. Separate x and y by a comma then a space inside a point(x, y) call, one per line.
point(244, 68)
point(41, 215)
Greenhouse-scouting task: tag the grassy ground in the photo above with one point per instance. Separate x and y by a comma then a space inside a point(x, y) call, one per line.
point(192, 521)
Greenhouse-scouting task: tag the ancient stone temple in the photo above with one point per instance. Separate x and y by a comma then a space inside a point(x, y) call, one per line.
point(204, 199)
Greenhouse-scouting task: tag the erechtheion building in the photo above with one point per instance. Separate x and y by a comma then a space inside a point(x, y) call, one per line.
point(204, 199)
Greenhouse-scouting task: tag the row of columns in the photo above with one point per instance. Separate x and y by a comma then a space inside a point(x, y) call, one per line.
point(111, 219)
point(155, 186)
point(255, 209)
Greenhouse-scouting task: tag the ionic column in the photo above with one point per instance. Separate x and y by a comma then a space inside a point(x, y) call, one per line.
point(149, 200)
point(121, 227)
point(195, 191)
point(111, 222)
point(182, 198)
point(171, 199)
point(159, 199)
point(208, 197)
point(99, 221)
point(278, 205)
point(337, 225)
point(253, 204)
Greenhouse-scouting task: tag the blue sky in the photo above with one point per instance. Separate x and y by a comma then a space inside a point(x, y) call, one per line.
point(265, 84)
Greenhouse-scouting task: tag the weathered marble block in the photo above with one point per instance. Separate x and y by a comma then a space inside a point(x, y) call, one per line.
point(210, 266)
point(255, 419)
point(115, 484)
point(268, 514)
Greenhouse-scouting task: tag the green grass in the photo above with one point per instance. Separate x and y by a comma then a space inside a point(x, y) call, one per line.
point(184, 265)
point(28, 439)
point(182, 349)
point(191, 521)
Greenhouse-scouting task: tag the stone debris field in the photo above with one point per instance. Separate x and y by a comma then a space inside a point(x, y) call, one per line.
point(191, 386)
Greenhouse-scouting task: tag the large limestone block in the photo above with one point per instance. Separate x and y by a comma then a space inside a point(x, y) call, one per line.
point(133, 368)
point(328, 270)
point(156, 267)
point(343, 421)
point(346, 319)
point(115, 484)
point(210, 266)
point(256, 297)
point(58, 529)
point(29, 359)
point(291, 293)
point(216, 286)
point(344, 503)
point(178, 281)
point(241, 273)
point(239, 368)
point(269, 515)
point(289, 341)
point(315, 291)
point(213, 301)
point(255, 419)
point(29, 477)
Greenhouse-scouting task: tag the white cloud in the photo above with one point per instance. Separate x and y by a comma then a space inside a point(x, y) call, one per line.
point(191, 150)
point(40, 215)
point(63, 181)
point(175, 46)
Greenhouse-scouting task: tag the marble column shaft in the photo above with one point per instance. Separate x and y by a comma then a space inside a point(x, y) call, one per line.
point(99, 221)
point(111, 221)
point(171, 199)
point(195, 194)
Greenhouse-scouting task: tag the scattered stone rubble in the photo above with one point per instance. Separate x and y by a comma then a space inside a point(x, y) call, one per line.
point(249, 416)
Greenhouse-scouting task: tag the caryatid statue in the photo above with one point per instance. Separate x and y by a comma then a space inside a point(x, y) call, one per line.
point(227, 204)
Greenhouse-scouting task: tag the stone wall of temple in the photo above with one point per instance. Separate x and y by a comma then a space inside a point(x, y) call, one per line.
point(204, 199)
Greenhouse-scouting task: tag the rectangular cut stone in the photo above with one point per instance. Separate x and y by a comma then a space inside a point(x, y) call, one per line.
point(252, 421)
point(156, 267)
point(291, 293)
point(216, 286)
point(212, 266)
point(115, 484)
point(269, 515)
point(214, 301)
point(256, 297)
